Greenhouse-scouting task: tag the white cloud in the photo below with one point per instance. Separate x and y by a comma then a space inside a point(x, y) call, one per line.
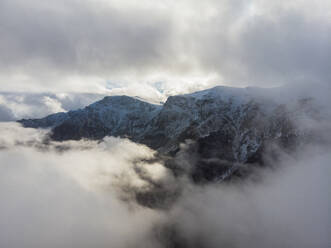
point(68, 194)
point(31, 105)
point(70, 199)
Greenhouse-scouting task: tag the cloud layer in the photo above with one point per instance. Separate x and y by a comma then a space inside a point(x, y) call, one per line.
point(71, 199)
point(14, 105)
point(82, 194)
point(83, 45)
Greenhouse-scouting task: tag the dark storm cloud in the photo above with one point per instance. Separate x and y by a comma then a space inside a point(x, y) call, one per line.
point(238, 42)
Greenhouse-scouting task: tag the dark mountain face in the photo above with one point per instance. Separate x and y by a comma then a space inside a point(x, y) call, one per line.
point(228, 127)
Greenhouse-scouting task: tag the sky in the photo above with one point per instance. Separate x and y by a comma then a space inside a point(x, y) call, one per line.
point(150, 48)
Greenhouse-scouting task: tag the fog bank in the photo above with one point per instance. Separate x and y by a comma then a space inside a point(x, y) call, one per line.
point(83, 194)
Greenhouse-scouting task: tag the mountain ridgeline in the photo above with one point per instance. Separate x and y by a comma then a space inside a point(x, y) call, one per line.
point(221, 127)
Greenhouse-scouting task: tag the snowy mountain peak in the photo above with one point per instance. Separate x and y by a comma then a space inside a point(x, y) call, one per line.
point(230, 124)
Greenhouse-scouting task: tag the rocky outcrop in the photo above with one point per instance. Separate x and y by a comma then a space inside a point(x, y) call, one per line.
point(228, 125)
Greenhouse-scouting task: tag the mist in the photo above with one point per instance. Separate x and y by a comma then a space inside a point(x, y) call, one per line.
point(70, 197)
point(289, 207)
point(84, 193)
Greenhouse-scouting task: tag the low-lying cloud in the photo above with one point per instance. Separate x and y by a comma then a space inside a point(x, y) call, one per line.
point(84, 193)
point(15, 105)
point(289, 208)
point(70, 197)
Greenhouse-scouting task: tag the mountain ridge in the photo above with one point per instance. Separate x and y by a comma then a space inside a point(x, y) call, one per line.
point(225, 123)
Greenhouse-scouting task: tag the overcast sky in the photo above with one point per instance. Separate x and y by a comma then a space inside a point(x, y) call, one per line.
point(176, 45)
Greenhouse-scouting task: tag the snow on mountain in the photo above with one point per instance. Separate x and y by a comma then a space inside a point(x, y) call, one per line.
point(230, 124)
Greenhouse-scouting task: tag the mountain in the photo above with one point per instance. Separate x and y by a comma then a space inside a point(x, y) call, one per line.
point(229, 126)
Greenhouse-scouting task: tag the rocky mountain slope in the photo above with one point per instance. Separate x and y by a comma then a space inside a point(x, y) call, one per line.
point(227, 125)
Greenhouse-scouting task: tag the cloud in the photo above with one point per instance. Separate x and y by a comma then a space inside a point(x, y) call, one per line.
point(289, 208)
point(16, 105)
point(273, 45)
point(72, 198)
point(5, 113)
point(87, 193)
point(80, 46)
point(43, 206)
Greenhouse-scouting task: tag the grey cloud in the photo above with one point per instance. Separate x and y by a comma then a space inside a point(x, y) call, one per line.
point(291, 49)
point(6, 114)
point(78, 36)
point(289, 209)
point(240, 42)
point(270, 48)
